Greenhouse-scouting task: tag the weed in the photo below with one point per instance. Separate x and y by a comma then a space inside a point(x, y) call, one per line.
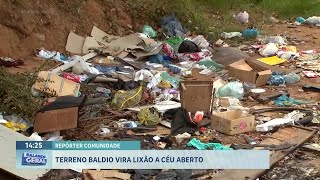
point(16, 96)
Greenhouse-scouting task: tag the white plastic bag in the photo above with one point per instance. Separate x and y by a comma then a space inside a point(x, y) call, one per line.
point(81, 66)
point(243, 17)
point(277, 40)
point(287, 119)
point(229, 35)
point(315, 20)
point(143, 75)
point(269, 49)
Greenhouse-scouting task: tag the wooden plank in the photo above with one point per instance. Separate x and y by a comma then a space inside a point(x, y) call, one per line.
point(292, 134)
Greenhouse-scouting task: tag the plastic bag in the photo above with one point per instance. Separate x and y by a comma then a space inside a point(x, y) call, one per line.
point(300, 19)
point(229, 35)
point(202, 146)
point(243, 17)
point(188, 47)
point(315, 20)
point(291, 78)
point(147, 30)
point(201, 42)
point(52, 55)
point(250, 33)
point(284, 100)
point(171, 26)
point(231, 89)
point(143, 75)
point(149, 116)
point(123, 99)
point(172, 80)
point(276, 79)
point(175, 42)
point(159, 59)
point(277, 40)
point(269, 49)
point(80, 67)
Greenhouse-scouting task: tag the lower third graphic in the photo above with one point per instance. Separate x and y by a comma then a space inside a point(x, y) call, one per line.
point(32, 159)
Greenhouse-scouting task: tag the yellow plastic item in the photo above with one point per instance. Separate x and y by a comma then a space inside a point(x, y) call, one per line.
point(164, 84)
point(274, 60)
point(290, 48)
point(16, 126)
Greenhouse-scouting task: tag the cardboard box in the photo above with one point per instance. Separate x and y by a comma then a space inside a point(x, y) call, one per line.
point(250, 71)
point(232, 122)
point(59, 115)
point(196, 96)
point(55, 85)
point(56, 120)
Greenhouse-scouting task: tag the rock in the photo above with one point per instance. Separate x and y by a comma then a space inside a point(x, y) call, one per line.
point(41, 37)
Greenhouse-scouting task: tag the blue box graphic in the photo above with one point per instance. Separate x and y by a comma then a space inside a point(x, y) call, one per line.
point(32, 159)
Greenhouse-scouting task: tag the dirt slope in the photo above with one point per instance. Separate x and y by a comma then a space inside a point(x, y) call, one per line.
point(27, 25)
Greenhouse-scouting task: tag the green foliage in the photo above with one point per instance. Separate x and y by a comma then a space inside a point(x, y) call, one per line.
point(211, 17)
point(292, 8)
point(16, 96)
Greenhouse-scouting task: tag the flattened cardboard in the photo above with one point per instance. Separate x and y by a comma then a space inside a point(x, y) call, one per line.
point(127, 42)
point(88, 44)
point(140, 54)
point(232, 122)
point(56, 120)
point(75, 43)
point(101, 36)
point(241, 65)
point(249, 71)
point(56, 85)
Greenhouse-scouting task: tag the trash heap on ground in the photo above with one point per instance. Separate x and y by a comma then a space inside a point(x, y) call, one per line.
point(175, 90)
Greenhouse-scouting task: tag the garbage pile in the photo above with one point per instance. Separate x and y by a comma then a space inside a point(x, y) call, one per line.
point(172, 91)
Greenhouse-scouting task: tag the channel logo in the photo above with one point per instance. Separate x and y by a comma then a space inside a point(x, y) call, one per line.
point(32, 159)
